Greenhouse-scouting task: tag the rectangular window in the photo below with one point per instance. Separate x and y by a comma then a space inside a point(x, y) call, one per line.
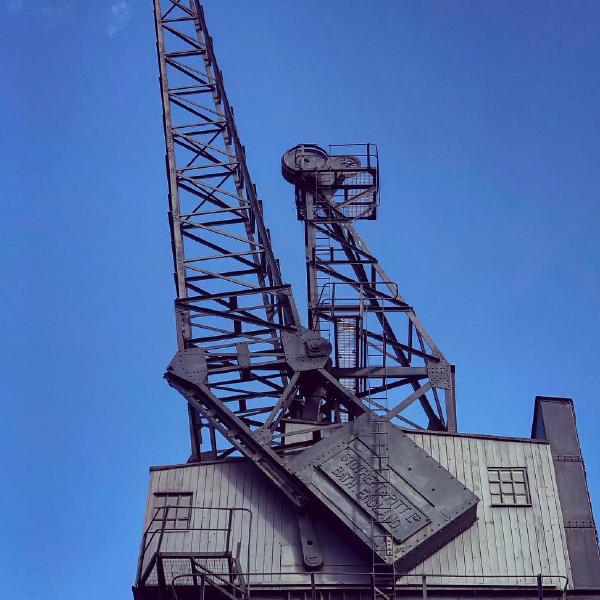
point(508, 486)
point(173, 510)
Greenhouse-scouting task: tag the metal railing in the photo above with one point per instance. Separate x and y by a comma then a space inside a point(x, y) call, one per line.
point(425, 586)
point(234, 584)
point(156, 531)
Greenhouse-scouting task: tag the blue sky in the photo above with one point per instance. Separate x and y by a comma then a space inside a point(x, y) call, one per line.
point(486, 116)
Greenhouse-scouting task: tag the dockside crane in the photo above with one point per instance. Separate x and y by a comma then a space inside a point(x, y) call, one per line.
point(312, 405)
point(325, 460)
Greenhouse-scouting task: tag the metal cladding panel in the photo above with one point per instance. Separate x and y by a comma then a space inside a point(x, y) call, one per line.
point(270, 545)
point(514, 542)
point(423, 504)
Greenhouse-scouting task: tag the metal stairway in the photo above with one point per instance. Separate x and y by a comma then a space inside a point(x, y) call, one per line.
point(217, 582)
point(347, 335)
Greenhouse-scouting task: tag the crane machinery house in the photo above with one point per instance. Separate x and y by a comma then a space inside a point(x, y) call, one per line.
point(325, 457)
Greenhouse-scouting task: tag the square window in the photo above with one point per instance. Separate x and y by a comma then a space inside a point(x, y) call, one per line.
point(172, 510)
point(508, 486)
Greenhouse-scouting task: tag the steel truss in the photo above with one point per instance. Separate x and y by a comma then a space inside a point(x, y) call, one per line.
point(379, 344)
point(231, 300)
point(256, 380)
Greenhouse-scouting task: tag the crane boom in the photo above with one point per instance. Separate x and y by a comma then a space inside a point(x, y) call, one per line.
point(231, 297)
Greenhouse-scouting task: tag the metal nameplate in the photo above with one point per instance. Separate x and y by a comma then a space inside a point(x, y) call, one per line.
point(370, 490)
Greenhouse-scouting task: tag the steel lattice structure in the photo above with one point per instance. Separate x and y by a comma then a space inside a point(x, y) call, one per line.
point(237, 320)
point(231, 301)
point(379, 344)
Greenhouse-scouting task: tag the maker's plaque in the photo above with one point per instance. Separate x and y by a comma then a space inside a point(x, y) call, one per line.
point(391, 509)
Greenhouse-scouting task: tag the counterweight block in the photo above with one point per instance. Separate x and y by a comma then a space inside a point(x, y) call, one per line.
point(387, 490)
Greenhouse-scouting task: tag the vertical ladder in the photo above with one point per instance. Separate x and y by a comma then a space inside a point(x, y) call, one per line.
point(375, 356)
point(323, 254)
point(383, 573)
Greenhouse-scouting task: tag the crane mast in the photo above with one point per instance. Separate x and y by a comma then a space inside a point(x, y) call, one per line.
point(379, 344)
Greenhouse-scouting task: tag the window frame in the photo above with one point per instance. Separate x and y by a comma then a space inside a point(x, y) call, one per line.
point(176, 522)
point(512, 481)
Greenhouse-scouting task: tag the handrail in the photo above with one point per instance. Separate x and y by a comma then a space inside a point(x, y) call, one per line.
point(207, 574)
point(424, 585)
point(397, 575)
point(149, 535)
point(365, 290)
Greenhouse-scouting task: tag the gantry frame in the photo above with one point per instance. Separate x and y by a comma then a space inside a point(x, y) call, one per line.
point(379, 343)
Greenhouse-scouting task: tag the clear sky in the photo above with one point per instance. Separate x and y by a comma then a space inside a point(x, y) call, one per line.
point(487, 119)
